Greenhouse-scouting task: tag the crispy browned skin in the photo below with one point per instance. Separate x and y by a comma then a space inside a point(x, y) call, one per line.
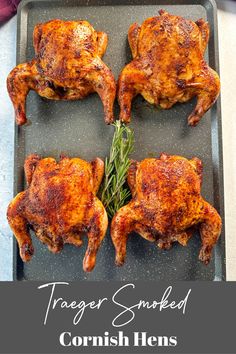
point(168, 66)
point(67, 66)
point(166, 203)
point(60, 204)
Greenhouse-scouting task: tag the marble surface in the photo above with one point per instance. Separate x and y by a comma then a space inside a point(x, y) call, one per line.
point(7, 62)
point(227, 46)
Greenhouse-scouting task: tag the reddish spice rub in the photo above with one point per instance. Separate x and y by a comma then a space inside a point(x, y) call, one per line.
point(60, 204)
point(166, 204)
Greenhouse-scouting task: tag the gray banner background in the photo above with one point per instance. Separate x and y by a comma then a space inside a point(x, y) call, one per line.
point(208, 325)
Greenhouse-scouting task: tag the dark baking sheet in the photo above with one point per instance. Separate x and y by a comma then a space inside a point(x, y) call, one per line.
point(77, 129)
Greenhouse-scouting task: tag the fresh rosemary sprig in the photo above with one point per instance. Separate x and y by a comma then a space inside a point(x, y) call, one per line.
point(113, 192)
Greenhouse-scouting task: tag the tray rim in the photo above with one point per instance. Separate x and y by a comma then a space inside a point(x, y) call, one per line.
point(218, 178)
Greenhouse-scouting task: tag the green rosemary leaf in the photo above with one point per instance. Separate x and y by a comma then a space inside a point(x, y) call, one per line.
point(113, 192)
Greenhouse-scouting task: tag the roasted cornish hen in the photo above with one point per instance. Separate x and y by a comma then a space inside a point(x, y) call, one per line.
point(59, 204)
point(166, 203)
point(67, 66)
point(168, 66)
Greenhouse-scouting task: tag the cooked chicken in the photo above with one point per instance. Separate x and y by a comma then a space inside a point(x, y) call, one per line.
point(166, 204)
point(59, 204)
point(168, 66)
point(67, 66)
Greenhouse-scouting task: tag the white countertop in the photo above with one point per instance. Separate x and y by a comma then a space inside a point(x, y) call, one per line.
point(227, 47)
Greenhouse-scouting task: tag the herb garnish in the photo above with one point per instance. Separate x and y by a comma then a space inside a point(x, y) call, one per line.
point(113, 192)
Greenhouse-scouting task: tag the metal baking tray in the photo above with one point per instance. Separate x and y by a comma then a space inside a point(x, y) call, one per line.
point(77, 128)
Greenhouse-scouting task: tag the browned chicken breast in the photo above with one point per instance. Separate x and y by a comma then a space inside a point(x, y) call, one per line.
point(59, 204)
point(67, 66)
point(166, 203)
point(168, 66)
